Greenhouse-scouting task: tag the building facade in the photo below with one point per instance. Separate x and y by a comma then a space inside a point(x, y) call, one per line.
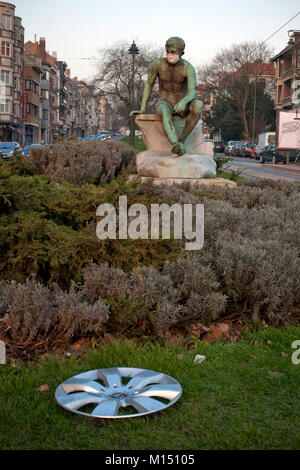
point(33, 109)
point(11, 75)
point(287, 64)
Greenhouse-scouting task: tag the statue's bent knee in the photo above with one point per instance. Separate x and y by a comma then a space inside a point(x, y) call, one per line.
point(197, 107)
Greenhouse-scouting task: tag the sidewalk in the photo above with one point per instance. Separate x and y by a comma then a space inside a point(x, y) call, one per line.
point(294, 169)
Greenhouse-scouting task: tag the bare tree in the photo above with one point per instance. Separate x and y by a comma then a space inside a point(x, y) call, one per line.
point(114, 77)
point(232, 73)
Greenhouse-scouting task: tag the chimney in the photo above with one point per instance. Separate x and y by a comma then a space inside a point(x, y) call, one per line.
point(42, 45)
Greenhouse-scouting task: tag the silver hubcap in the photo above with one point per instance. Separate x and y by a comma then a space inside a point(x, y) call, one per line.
point(112, 393)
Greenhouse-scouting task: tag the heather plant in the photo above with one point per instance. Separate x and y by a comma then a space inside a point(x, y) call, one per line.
point(259, 277)
point(95, 162)
point(105, 282)
point(39, 319)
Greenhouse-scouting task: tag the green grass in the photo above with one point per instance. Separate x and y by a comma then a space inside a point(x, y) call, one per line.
point(138, 143)
point(244, 396)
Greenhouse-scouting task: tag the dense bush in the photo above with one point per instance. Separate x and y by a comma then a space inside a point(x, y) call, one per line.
point(249, 265)
point(96, 162)
point(37, 319)
point(48, 229)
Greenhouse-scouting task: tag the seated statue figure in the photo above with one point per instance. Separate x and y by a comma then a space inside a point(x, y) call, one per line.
point(177, 93)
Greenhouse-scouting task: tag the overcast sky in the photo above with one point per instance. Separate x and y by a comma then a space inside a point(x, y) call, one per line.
point(77, 28)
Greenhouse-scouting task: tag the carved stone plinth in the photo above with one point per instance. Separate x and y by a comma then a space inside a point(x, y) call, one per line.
point(193, 181)
point(159, 162)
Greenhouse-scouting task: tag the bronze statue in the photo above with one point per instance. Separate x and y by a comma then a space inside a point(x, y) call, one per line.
point(177, 93)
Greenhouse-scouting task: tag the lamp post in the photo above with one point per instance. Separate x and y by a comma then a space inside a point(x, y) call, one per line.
point(132, 51)
point(254, 105)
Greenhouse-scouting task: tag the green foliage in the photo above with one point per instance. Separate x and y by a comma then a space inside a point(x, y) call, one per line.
point(94, 162)
point(48, 229)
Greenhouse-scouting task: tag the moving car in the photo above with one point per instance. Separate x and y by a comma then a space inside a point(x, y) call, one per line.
point(246, 150)
point(10, 149)
point(219, 147)
point(275, 156)
point(237, 149)
point(229, 147)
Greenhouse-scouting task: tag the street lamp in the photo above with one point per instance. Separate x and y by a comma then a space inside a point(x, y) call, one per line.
point(132, 51)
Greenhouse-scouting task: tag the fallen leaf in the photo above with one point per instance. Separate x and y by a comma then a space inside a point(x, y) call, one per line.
point(44, 388)
point(269, 342)
point(224, 328)
point(284, 354)
point(196, 333)
point(110, 339)
point(255, 342)
point(180, 356)
point(275, 374)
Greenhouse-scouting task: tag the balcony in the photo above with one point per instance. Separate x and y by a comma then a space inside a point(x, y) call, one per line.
point(287, 101)
point(45, 85)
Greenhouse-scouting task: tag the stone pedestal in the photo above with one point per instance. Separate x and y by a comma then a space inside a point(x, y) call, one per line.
point(159, 162)
point(193, 181)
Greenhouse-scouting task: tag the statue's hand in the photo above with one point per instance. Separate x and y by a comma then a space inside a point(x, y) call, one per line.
point(180, 107)
point(133, 113)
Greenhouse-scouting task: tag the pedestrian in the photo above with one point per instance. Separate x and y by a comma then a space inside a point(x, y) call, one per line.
point(252, 152)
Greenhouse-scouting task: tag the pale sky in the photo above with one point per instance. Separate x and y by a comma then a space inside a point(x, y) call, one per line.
point(77, 28)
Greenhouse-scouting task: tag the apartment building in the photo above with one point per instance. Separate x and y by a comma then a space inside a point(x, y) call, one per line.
point(49, 88)
point(33, 108)
point(11, 74)
point(287, 64)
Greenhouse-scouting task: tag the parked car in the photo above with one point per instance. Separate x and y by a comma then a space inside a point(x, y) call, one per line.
point(10, 149)
point(27, 148)
point(264, 140)
point(229, 147)
point(271, 154)
point(219, 147)
point(246, 150)
point(237, 149)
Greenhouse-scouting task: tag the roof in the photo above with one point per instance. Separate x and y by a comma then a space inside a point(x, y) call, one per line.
point(283, 52)
point(257, 68)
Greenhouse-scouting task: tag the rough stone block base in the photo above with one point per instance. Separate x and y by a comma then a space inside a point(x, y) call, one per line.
point(193, 181)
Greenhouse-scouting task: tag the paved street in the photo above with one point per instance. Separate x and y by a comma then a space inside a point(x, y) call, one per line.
point(253, 169)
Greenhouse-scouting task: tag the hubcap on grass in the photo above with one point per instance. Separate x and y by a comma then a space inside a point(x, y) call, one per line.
point(118, 393)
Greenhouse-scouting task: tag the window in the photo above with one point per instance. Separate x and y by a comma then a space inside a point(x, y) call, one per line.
point(4, 106)
point(30, 85)
point(46, 114)
point(33, 110)
point(45, 94)
point(18, 58)
point(5, 76)
point(6, 49)
point(281, 62)
point(6, 22)
point(298, 58)
point(17, 84)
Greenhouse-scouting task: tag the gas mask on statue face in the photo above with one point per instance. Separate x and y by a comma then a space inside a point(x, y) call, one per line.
point(173, 56)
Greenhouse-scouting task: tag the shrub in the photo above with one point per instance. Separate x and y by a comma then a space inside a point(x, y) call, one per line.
point(38, 319)
point(96, 162)
point(259, 277)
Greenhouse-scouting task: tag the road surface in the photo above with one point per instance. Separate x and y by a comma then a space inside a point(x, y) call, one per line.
point(253, 169)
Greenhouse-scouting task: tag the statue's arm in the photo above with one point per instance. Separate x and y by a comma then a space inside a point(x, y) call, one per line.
point(148, 88)
point(191, 89)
